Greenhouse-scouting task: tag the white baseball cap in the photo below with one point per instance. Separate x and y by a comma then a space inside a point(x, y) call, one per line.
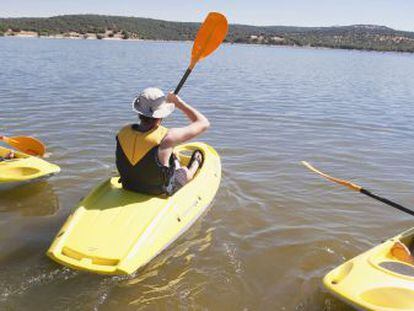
point(152, 103)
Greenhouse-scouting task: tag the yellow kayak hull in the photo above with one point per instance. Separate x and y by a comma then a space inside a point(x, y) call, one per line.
point(114, 231)
point(375, 280)
point(23, 169)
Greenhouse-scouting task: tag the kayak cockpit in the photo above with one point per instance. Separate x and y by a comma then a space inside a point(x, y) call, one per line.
point(22, 168)
point(400, 258)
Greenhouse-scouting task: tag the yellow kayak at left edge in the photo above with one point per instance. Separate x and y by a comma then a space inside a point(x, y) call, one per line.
point(23, 169)
point(376, 280)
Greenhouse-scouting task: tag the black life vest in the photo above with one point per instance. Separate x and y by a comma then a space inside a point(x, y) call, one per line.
point(137, 160)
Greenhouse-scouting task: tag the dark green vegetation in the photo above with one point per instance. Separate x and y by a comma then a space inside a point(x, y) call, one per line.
point(361, 37)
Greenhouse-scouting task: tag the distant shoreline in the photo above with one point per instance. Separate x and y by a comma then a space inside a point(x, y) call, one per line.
point(73, 35)
point(57, 37)
point(189, 41)
point(95, 39)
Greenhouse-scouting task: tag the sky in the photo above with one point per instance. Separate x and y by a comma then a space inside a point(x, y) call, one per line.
point(397, 14)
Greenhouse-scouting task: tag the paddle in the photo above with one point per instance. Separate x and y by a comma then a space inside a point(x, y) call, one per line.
point(358, 188)
point(209, 37)
point(26, 144)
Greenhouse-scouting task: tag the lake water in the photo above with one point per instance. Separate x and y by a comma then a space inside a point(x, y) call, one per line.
point(274, 229)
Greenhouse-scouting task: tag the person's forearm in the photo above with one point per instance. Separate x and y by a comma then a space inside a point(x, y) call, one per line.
point(193, 114)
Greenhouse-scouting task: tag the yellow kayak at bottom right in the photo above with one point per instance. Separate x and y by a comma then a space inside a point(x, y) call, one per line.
point(376, 280)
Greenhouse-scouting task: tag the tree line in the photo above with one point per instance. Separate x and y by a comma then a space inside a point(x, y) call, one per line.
point(361, 37)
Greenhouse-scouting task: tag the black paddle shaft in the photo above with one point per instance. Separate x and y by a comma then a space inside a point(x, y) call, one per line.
point(183, 79)
point(388, 202)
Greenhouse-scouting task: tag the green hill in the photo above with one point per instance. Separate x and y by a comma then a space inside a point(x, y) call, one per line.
point(361, 37)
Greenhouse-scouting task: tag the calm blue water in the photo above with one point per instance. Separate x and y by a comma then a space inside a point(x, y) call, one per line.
point(275, 228)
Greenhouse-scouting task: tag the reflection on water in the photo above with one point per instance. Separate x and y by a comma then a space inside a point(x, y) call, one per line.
point(274, 228)
point(37, 199)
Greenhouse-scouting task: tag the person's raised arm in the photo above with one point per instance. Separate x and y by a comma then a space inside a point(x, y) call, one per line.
point(199, 123)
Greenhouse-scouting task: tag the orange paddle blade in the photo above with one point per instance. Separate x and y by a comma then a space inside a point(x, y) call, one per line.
point(26, 144)
point(342, 182)
point(209, 37)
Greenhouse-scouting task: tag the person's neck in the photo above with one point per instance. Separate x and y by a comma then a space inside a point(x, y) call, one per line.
point(145, 127)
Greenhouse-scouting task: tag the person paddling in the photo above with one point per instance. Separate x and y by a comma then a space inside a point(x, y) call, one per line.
point(144, 151)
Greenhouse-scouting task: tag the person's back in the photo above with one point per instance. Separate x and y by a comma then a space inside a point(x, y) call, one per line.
point(136, 159)
point(144, 153)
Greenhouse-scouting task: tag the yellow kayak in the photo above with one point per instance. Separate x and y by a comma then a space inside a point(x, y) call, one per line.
point(376, 279)
point(114, 231)
point(23, 169)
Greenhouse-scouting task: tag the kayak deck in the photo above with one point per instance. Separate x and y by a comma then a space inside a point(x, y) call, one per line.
point(375, 280)
point(114, 231)
point(23, 169)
